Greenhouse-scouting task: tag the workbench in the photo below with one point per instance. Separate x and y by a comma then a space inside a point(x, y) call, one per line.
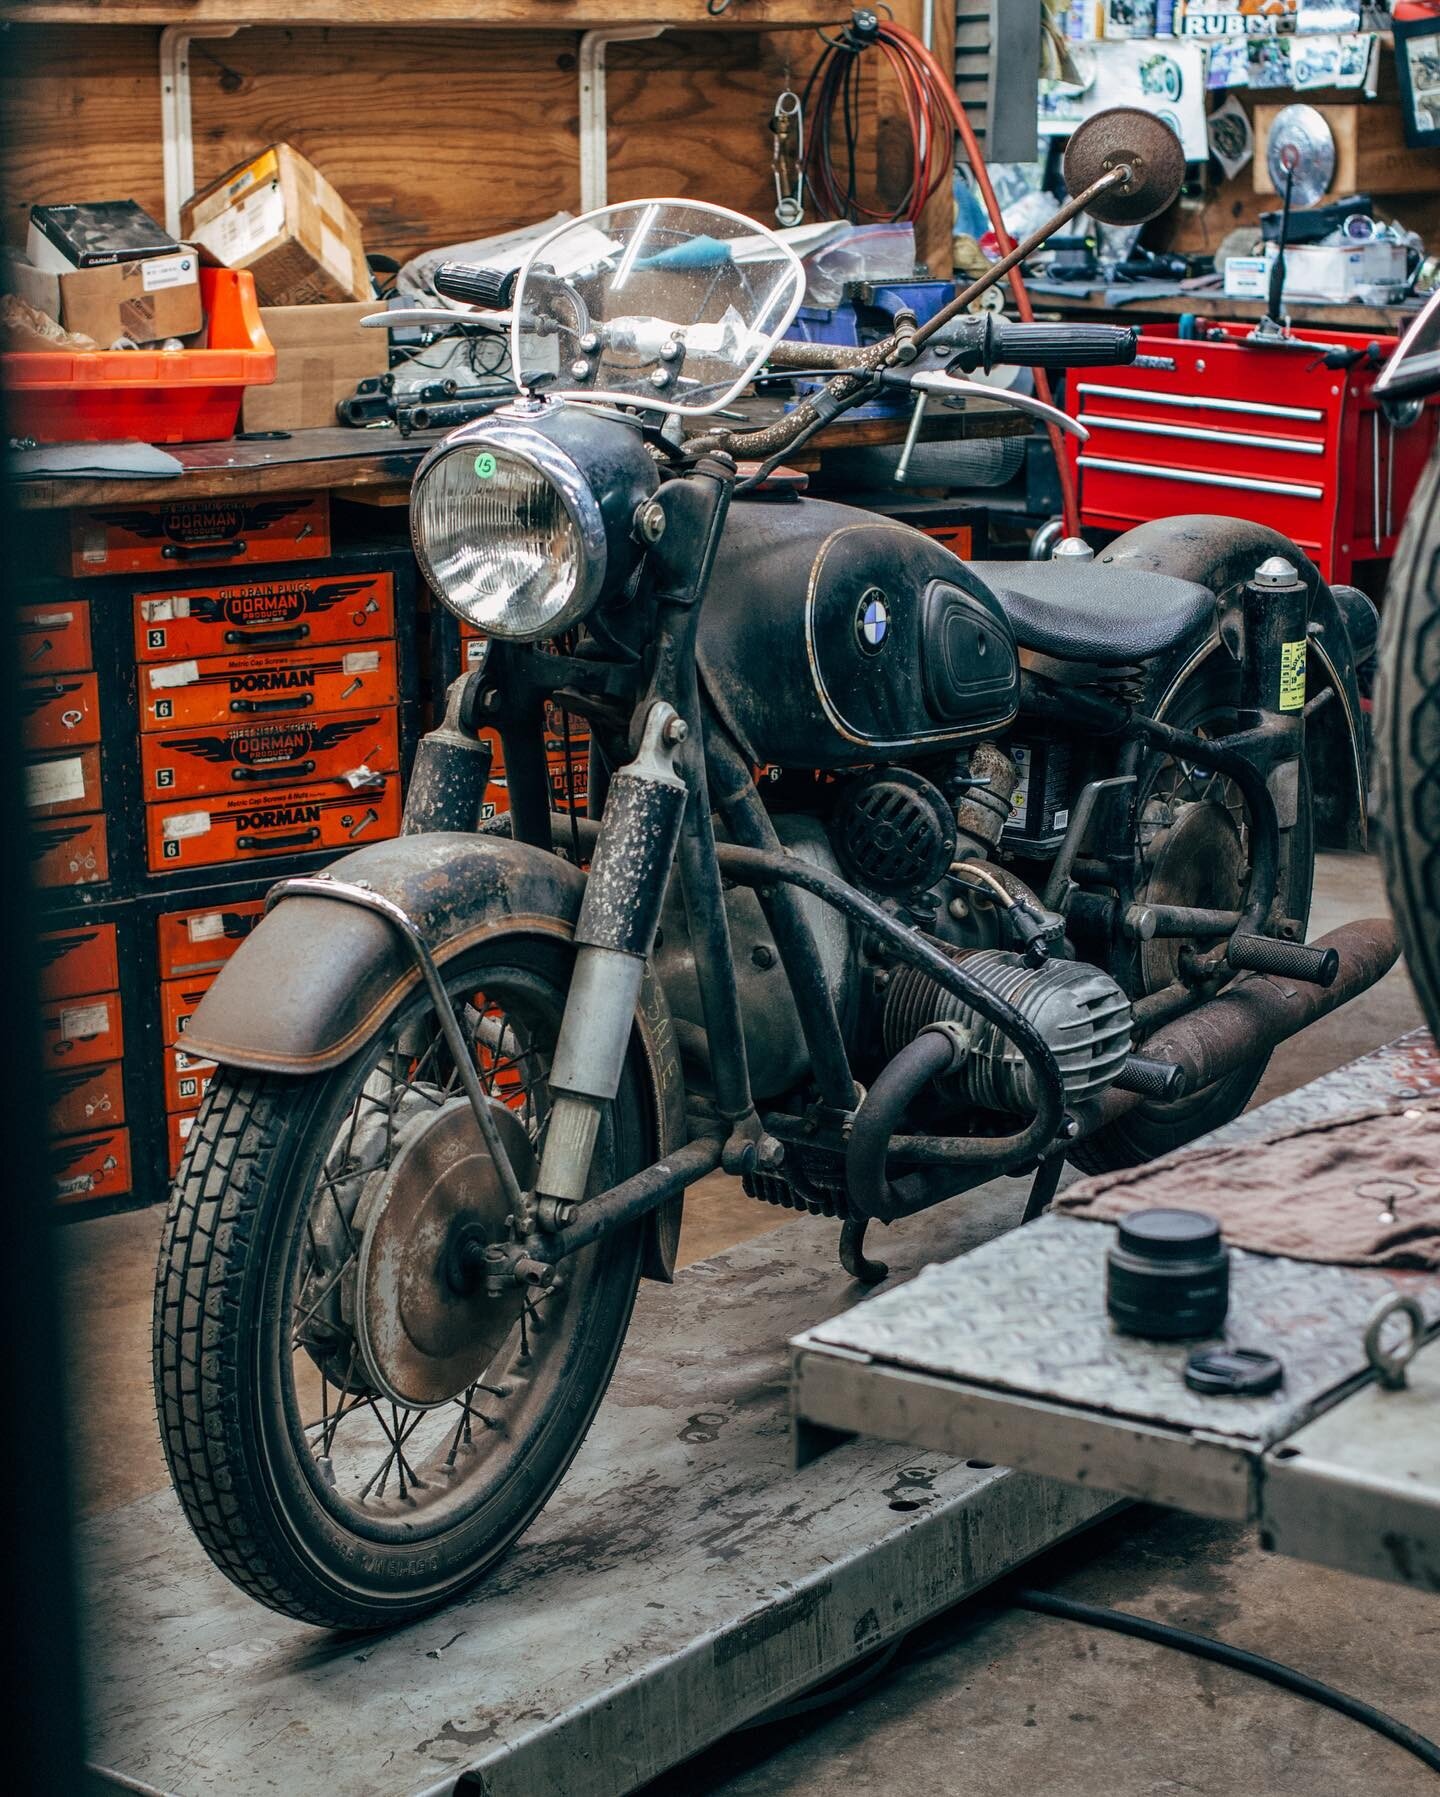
point(377, 466)
point(1008, 1350)
point(1107, 303)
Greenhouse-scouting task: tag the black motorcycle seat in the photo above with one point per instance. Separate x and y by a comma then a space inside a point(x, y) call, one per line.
point(1090, 611)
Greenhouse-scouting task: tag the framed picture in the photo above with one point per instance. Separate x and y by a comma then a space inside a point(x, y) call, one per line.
point(1417, 61)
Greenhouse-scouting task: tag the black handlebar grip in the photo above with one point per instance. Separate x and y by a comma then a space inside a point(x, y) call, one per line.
point(489, 288)
point(1063, 345)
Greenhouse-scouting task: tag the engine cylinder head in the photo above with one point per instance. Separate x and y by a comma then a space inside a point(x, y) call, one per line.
point(1079, 1010)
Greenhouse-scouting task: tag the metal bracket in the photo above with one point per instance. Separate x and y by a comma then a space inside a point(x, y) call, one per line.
point(324, 886)
point(594, 134)
point(177, 138)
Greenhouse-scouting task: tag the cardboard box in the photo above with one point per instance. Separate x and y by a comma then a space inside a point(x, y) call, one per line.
point(258, 615)
point(93, 234)
point(279, 217)
point(321, 355)
point(145, 301)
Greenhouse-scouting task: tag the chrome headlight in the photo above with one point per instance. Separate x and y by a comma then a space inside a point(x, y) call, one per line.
point(508, 533)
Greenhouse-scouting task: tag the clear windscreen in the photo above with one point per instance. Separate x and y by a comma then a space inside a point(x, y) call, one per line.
point(671, 304)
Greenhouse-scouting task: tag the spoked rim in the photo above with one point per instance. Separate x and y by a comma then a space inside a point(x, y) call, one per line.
point(383, 1470)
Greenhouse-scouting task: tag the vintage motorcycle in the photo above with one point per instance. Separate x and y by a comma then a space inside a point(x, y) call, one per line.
point(1027, 877)
point(1407, 710)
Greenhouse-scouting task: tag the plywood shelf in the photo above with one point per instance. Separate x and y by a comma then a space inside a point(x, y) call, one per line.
point(528, 15)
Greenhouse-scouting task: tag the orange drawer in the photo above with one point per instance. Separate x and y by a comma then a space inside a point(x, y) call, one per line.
point(71, 851)
point(201, 942)
point(73, 962)
point(81, 1032)
point(245, 757)
point(54, 639)
point(62, 711)
point(143, 539)
point(85, 1098)
point(179, 1001)
point(56, 785)
point(298, 683)
point(95, 1166)
point(257, 615)
point(243, 825)
point(178, 1125)
point(186, 1077)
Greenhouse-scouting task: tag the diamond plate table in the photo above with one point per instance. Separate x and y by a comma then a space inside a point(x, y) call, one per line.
point(683, 1579)
point(1006, 1352)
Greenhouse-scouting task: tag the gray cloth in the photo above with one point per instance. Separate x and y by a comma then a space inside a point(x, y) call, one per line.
point(138, 461)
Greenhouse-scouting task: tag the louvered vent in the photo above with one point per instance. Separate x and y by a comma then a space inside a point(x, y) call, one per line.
point(997, 66)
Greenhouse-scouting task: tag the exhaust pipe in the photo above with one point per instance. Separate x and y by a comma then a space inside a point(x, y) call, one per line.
point(1255, 1014)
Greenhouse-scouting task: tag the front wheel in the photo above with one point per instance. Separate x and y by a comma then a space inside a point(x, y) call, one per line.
point(355, 1428)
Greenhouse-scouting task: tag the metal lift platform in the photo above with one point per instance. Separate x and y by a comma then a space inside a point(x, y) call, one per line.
point(1008, 1349)
point(683, 1580)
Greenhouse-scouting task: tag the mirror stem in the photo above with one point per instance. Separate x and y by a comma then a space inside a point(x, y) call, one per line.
point(1117, 177)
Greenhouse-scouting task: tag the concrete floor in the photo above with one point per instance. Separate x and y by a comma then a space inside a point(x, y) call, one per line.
point(988, 1701)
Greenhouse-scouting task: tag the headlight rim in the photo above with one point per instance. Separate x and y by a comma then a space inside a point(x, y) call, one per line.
point(577, 496)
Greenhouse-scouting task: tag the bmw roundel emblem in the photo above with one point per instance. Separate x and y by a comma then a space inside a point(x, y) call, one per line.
point(872, 621)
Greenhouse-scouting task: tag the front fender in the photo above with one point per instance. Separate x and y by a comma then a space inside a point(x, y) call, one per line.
point(1222, 554)
point(317, 977)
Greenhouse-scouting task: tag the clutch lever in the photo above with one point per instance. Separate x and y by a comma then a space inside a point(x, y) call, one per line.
point(950, 386)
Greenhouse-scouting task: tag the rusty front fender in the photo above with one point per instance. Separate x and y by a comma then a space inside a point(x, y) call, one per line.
point(317, 978)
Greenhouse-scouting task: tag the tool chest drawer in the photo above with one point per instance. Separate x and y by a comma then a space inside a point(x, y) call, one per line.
point(81, 1031)
point(78, 960)
point(187, 533)
point(294, 820)
point(78, 1099)
point(86, 1168)
point(297, 612)
point(278, 684)
point(54, 638)
point(347, 752)
point(198, 942)
point(60, 711)
point(70, 851)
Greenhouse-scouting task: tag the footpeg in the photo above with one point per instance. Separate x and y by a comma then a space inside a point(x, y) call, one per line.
point(1289, 960)
point(1151, 1079)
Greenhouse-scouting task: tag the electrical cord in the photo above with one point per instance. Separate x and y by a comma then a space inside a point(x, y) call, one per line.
point(1239, 1659)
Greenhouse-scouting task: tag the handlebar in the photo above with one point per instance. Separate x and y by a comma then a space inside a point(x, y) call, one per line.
point(489, 288)
point(984, 342)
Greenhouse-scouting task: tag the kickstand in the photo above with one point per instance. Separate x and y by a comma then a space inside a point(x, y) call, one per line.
point(852, 1253)
point(1043, 1187)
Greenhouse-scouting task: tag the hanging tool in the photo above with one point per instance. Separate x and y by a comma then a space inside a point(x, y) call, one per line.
point(787, 125)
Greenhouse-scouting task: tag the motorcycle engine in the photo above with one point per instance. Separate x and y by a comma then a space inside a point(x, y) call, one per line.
point(1079, 1010)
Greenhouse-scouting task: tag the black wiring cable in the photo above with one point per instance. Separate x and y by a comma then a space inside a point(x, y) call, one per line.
point(1239, 1659)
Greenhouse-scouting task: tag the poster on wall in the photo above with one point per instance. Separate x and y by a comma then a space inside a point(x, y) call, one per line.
point(1210, 19)
point(1163, 75)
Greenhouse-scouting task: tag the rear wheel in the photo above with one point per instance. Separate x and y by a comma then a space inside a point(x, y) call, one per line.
point(1194, 850)
point(1407, 740)
point(356, 1428)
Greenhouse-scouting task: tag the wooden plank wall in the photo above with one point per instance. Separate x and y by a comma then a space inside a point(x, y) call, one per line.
point(433, 135)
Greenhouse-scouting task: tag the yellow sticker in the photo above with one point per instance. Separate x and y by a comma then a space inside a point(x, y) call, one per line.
point(1292, 676)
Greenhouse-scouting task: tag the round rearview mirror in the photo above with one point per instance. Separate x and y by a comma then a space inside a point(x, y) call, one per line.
point(1129, 138)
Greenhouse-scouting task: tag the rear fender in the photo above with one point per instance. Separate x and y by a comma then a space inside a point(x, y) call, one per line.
point(317, 977)
point(1222, 554)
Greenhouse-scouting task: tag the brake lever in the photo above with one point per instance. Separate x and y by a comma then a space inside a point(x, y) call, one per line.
point(952, 386)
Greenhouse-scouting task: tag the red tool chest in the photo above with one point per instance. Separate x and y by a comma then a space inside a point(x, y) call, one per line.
point(1237, 428)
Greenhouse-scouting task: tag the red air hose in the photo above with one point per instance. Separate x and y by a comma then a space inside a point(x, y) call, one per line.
point(926, 84)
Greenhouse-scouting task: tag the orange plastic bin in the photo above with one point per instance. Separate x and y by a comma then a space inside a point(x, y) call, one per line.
point(113, 395)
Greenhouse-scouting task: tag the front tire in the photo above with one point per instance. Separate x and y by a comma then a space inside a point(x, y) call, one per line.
point(309, 1488)
point(1407, 739)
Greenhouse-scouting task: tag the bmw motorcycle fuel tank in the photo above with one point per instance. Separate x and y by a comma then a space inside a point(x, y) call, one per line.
point(832, 636)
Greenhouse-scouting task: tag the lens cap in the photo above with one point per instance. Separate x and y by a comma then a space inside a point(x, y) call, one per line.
point(1233, 1373)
